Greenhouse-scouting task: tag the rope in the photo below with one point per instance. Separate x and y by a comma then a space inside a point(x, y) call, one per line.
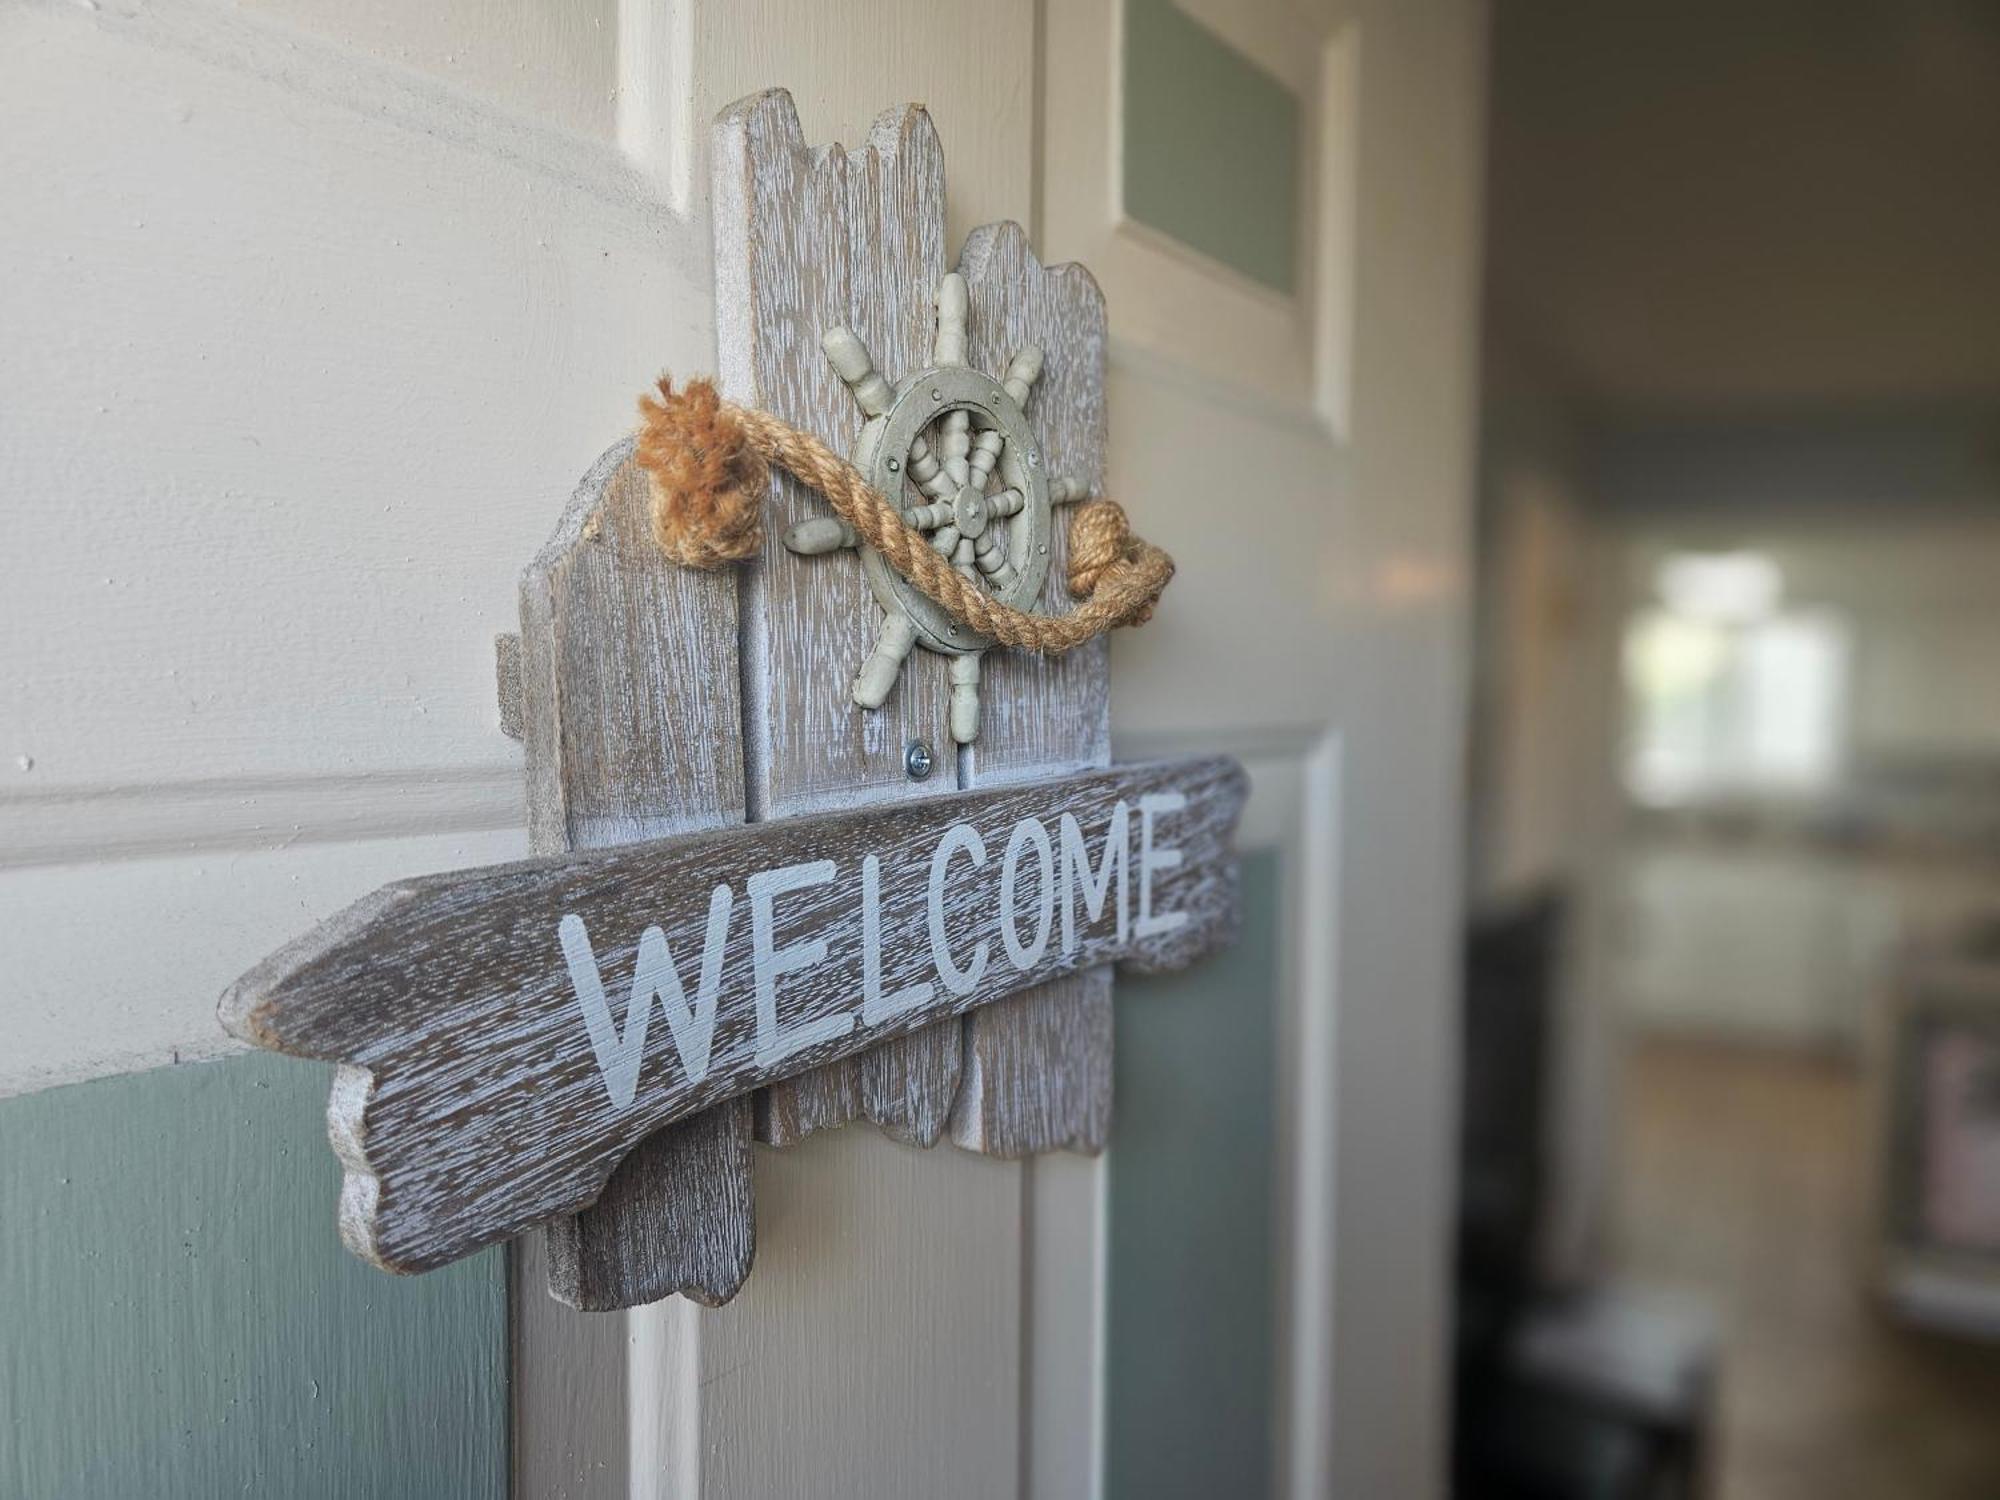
point(709, 460)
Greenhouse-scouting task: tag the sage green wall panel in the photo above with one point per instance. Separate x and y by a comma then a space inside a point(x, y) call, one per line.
point(1192, 1351)
point(178, 1320)
point(1211, 145)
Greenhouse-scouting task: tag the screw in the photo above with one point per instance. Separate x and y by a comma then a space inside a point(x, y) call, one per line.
point(936, 395)
point(894, 466)
point(918, 761)
point(1034, 459)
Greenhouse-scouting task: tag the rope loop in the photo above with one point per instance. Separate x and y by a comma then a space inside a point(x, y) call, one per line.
point(708, 462)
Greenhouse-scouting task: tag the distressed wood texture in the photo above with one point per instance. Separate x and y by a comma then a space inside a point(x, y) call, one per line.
point(807, 240)
point(487, 1086)
point(1037, 1066)
point(628, 698)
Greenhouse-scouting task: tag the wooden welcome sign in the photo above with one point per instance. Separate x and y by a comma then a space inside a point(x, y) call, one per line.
point(496, 1032)
point(754, 915)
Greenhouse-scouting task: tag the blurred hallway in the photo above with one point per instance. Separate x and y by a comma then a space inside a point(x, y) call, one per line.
point(1741, 1177)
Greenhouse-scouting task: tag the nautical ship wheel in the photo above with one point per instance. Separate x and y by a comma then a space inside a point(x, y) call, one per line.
point(953, 448)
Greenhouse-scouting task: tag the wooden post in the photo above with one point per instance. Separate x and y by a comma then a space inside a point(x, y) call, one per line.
point(806, 241)
point(811, 240)
point(1037, 1072)
point(629, 705)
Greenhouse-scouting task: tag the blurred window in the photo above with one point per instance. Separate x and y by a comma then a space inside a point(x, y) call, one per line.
point(1729, 694)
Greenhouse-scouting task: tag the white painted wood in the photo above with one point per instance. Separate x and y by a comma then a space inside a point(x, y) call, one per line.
point(141, 994)
point(305, 364)
point(854, 1363)
point(388, 432)
point(554, 60)
point(971, 63)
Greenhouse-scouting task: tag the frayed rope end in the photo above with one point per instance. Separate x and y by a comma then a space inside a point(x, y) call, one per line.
point(1101, 543)
point(708, 484)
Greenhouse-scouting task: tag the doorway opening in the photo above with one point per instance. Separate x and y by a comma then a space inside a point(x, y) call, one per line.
point(1730, 1198)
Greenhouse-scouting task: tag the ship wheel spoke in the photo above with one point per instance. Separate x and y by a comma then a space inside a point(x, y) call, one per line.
point(924, 468)
point(819, 535)
point(951, 305)
point(945, 542)
point(1008, 502)
point(964, 715)
point(1067, 491)
point(856, 366)
point(962, 558)
point(954, 441)
point(878, 674)
point(985, 453)
point(991, 555)
point(928, 517)
point(1022, 374)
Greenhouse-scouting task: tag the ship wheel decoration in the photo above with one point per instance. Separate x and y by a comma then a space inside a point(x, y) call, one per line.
point(952, 448)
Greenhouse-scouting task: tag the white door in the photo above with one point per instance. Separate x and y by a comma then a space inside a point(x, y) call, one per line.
point(313, 313)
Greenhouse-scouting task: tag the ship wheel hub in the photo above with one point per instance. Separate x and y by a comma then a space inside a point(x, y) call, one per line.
point(970, 512)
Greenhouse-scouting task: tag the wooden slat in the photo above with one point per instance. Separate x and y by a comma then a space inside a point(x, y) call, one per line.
point(629, 701)
point(488, 1082)
point(1037, 1069)
point(806, 240)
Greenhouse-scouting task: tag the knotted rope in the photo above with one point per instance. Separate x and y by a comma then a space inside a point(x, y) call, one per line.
point(708, 461)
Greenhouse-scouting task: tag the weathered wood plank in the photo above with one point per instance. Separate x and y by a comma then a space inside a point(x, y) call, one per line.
point(1037, 1067)
point(806, 240)
point(627, 697)
point(491, 1077)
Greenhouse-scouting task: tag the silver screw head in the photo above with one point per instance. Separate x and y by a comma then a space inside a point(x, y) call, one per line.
point(918, 761)
point(894, 465)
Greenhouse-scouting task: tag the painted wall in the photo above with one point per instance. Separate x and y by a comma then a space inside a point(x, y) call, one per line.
point(178, 1319)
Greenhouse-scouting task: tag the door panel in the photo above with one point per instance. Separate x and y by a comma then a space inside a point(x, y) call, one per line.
point(1192, 1360)
point(181, 1321)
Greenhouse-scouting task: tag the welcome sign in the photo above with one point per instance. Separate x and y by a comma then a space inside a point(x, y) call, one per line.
point(505, 1036)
